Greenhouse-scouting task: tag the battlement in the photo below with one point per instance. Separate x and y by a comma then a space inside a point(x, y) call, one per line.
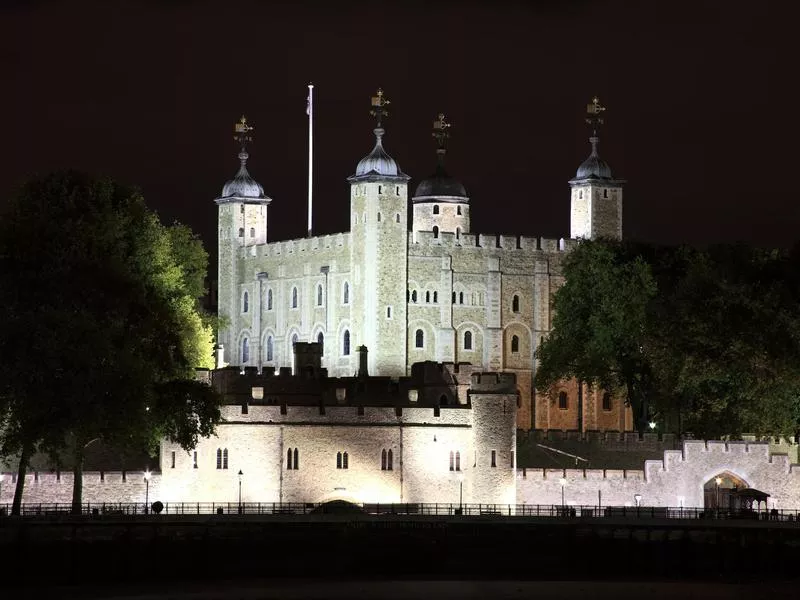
point(296, 246)
point(572, 475)
point(609, 440)
point(493, 241)
point(493, 383)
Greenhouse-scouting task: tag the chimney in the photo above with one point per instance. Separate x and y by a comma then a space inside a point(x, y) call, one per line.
point(219, 361)
point(363, 371)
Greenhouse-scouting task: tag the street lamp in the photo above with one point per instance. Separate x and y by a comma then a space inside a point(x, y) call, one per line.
point(652, 425)
point(563, 482)
point(240, 491)
point(718, 481)
point(146, 491)
point(638, 499)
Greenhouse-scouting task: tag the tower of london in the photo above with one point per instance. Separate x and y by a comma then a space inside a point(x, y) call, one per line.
point(439, 292)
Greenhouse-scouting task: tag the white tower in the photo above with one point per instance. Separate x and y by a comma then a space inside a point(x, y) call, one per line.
point(379, 254)
point(242, 221)
point(596, 197)
point(440, 202)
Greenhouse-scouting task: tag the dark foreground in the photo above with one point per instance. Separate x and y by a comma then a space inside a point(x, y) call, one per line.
point(222, 552)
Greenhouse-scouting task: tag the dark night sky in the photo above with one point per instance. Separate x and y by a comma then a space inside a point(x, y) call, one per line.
point(700, 120)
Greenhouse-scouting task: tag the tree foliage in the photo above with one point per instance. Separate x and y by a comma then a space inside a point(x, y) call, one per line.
point(707, 341)
point(102, 327)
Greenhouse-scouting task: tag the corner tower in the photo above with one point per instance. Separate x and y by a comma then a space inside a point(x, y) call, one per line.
point(440, 201)
point(596, 197)
point(242, 222)
point(379, 254)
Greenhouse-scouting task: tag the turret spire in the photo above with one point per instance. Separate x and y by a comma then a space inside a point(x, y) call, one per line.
point(594, 119)
point(441, 133)
point(379, 102)
point(242, 130)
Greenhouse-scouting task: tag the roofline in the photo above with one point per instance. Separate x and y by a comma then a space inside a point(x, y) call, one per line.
point(243, 199)
point(375, 176)
point(609, 181)
point(440, 199)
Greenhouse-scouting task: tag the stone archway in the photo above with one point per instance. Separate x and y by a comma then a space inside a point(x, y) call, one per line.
point(717, 490)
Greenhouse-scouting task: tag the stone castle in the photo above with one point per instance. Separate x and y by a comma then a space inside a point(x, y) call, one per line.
point(438, 292)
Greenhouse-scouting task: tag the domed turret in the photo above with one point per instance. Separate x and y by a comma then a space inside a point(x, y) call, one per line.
point(594, 167)
point(378, 162)
point(243, 186)
point(441, 204)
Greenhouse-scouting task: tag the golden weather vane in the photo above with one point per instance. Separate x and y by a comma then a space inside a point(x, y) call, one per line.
point(378, 103)
point(242, 130)
point(440, 130)
point(594, 110)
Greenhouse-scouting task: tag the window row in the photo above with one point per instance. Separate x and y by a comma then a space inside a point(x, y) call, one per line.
point(436, 209)
point(269, 354)
point(436, 232)
point(379, 217)
point(476, 299)
point(563, 401)
point(295, 298)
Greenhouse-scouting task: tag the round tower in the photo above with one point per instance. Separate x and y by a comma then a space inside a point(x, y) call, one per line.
point(242, 221)
point(441, 204)
point(379, 254)
point(596, 196)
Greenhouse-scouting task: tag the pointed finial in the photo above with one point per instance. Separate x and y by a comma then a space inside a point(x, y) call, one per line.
point(378, 103)
point(242, 130)
point(594, 112)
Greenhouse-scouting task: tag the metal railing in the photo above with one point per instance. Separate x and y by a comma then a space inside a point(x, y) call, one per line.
point(405, 509)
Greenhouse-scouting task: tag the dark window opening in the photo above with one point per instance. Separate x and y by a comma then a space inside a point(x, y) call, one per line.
point(494, 458)
point(467, 340)
point(515, 304)
point(436, 209)
point(346, 343)
point(435, 231)
point(606, 401)
point(419, 339)
point(514, 343)
point(563, 400)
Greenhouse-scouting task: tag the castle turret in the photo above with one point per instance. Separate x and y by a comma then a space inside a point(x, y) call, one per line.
point(440, 202)
point(242, 220)
point(379, 254)
point(596, 196)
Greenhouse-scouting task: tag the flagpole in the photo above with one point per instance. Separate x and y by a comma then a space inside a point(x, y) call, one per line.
point(310, 111)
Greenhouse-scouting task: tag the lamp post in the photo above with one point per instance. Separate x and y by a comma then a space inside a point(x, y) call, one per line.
point(146, 491)
point(240, 491)
point(563, 482)
point(718, 481)
point(638, 499)
point(2, 476)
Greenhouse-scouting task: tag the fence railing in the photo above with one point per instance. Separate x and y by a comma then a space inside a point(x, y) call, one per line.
point(407, 509)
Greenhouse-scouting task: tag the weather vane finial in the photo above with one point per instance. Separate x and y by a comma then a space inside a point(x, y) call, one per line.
point(440, 131)
point(242, 130)
point(378, 103)
point(594, 112)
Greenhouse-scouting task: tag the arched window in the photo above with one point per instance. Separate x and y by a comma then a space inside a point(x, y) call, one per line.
point(435, 231)
point(379, 217)
point(458, 233)
point(245, 351)
point(563, 400)
point(269, 299)
point(346, 343)
point(296, 459)
point(346, 293)
point(436, 209)
point(225, 458)
point(435, 297)
point(338, 460)
point(458, 210)
point(458, 460)
point(294, 340)
point(344, 460)
point(252, 232)
point(389, 460)
point(454, 297)
point(397, 218)
point(269, 349)
point(289, 459)
point(319, 294)
point(380, 189)
point(241, 232)
point(219, 458)
point(467, 340)
point(461, 297)
point(245, 302)
point(515, 304)
point(514, 343)
point(383, 459)
point(606, 401)
point(452, 463)
point(414, 296)
point(419, 339)
point(294, 297)
point(320, 339)
point(427, 297)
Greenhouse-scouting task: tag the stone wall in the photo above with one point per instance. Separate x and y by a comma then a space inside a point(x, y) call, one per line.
point(98, 487)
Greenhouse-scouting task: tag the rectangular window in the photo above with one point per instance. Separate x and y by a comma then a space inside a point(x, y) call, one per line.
point(388, 312)
point(194, 459)
point(606, 401)
point(562, 400)
point(173, 461)
point(245, 408)
point(494, 458)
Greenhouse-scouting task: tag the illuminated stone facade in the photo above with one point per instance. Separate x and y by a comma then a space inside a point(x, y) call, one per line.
point(435, 293)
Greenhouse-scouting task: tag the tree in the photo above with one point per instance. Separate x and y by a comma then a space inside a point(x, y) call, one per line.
point(600, 323)
point(103, 321)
